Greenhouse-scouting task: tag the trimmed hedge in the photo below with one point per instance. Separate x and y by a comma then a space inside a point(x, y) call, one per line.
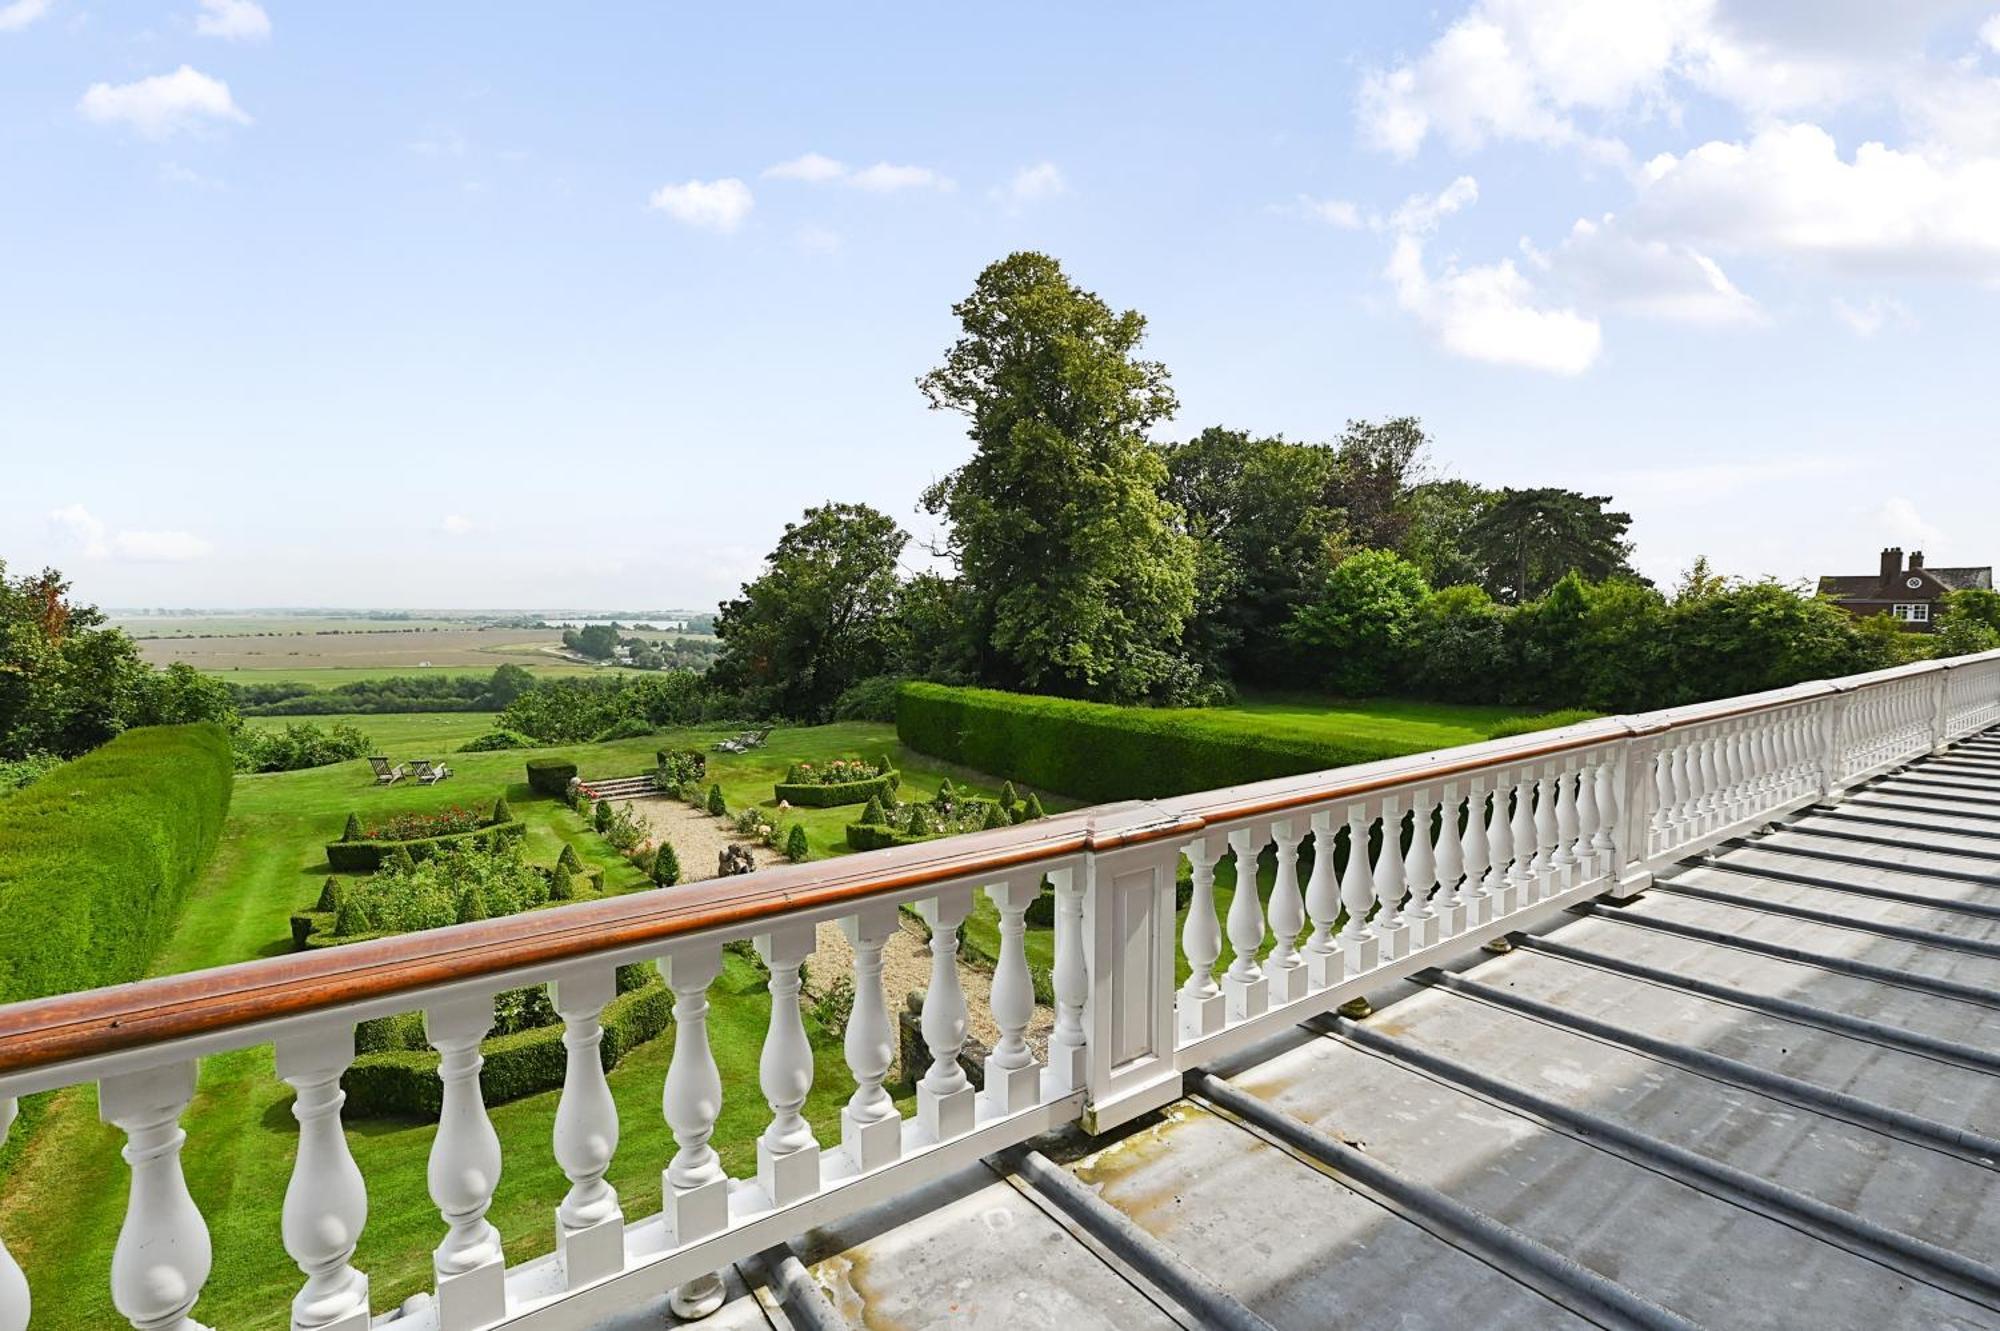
point(808, 795)
point(403, 1083)
point(1094, 751)
point(97, 857)
point(312, 929)
point(875, 836)
point(550, 776)
point(367, 856)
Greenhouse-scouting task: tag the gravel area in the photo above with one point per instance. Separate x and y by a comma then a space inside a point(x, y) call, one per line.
point(699, 838)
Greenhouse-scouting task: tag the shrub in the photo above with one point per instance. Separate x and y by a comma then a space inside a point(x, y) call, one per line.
point(1034, 806)
point(471, 906)
point(995, 817)
point(797, 850)
point(716, 804)
point(666, 865)
point(1008, 796)
point(562, 884)
point(501, 813)
point(631, 727)
point(299, 745)
point(873, 814)
point(844, 781)
point(97, 857)
point(330, 895)
point(550, 776)
point(1095, 751)
point(18, 772)
point(495, 740)
point(873, 699)
point(1528, 725)
point(568, 861)
point(352, 832)
point(368, 856)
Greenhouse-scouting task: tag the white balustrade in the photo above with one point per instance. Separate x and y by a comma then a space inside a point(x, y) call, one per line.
point(590, 1225)
point(1440, 853)
point(464, 1171)
point(161, 1260)
point(326, 1202)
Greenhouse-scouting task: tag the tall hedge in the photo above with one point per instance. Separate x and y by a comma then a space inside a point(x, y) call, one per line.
point(97, 857)
point(1095, 751)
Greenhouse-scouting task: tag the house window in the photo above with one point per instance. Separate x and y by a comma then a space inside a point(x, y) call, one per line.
point(1914, 613)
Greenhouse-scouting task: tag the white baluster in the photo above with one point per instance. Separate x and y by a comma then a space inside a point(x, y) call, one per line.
point(1546, 834)
point(590, 1224)
point(1285, 970)
point(1248, 992)
point(1587, 821)
point(694, 1190)
point(1357, 892)
point(1684, 791)
point(14, 1304)
point(1013, 1077)
point(1450, 855)
point(1388, 883)
point(1477, 854)
point(1200, 1003)
point(162, 1257)
point(1568, 820)
point(1501, 890)
point(1523, 875)
point(1068, 1045)
point(946, 1104)
point(1420, 876)
point(326, 1202)
point(871, 1129)
point(1324, 964)
point(464, 1171)
point(1708, 778)
point(787, 1152)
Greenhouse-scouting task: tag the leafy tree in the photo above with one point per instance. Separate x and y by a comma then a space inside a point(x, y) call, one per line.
point(596, 641)
point(1526, 540)
point(68, 682)
point(929, 634)
point(507, 683)
point(666, 865)
point(1969, 622)
point(1436, 517)
point(1375, 465)
point(1457, 648)
point(181, 694)
point(1598, 645)
point(1882, 641)
point(1072, 575)
point(817, 619)
point(1359, 624)
point(1750, 636)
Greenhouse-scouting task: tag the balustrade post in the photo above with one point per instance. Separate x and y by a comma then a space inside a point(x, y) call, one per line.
point(1606, 801)
point(1523, 875)
point(1476, 893)
point(1832, 739)
point(1285, 970)
point(1585, 849)
point(1200, 1002)
point(1245, 986)
point(871, 1129)
point(1449, 857)
point(694, 1190)
point(1548, 874)
point(1069, 1046)
point(1569, 818)
point(1420, 875)
point(1388, 884)
point(1501, 890)
point(590, 1224)
point(1357, 893)
point(464, 1171)
point(1013, 1077)
point(946, 1103)
point(787, 1152)
point(1940, 710)
point(14, 1302)
point(162, 1257)
point(326, 1202)
point(1324, 964)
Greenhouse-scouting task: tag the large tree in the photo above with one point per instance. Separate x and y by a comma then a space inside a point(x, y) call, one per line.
point(1073, 577)
point(1526, 540)
point(815, 621)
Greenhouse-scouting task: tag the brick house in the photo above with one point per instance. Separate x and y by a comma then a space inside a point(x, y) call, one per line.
point(1911, 593)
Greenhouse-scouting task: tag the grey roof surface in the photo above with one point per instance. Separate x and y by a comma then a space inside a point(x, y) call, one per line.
point(1873, 587)
point(1766, 1093)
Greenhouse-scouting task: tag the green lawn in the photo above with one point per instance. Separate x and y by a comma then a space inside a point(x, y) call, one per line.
point(401, 735)
point(1434, 725)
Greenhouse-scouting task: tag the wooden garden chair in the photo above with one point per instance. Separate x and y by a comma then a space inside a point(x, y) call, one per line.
point(431, 773)
point(385, 774)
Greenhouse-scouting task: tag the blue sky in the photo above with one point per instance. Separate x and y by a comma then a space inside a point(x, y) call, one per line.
point(428, 305)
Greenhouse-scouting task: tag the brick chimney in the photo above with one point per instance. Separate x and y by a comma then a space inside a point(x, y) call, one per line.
point(1916, 560)
point(1892, 562)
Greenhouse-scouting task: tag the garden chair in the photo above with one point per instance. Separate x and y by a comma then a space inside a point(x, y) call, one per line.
point(431, 773)
point(386, 775)
point(757, 738)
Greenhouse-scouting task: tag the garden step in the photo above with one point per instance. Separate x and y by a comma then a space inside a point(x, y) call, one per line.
point(616, 788)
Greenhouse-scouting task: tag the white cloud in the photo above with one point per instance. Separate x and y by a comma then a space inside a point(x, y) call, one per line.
point(1787, 191)
point(813, 168)
point(1873, 315)
point(162, 105)
point(94, 541)
point(1420, 213)
point(457, 524)
point(1989, 33)
point(1490, 313)
point(1341, 213)
point(1032, 184)
point(21, 13)
point(1897, 522)
point(713, 205)
point(233, 20)
point(887, 178)
point(1603, 267)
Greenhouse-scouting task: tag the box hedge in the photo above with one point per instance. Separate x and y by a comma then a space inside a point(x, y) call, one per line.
point(550, 776)
point(1094, 751)
point(97, 857)
point(313, 928)
point(876, 836)
point(367, 856)
point(805, 794)
point(403, 1083)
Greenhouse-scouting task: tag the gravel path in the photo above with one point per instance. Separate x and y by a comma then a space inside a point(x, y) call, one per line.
point(699, 838)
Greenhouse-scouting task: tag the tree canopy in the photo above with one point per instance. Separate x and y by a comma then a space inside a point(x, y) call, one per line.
point(1526, 540)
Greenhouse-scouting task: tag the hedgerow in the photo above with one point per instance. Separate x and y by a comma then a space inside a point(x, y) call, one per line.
point(1100, 752)
point(550, 776)
point(368, 856)
point(97, 857)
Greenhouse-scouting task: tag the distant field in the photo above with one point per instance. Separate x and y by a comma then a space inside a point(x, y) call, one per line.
point(326, 677)
point(208, 626)
point(388, 653)
point(404, 734)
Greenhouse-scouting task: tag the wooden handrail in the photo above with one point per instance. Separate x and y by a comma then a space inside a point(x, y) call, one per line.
point(42, 1032)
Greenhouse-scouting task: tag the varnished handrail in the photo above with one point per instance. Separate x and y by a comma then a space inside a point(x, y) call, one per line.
point(44, 1032)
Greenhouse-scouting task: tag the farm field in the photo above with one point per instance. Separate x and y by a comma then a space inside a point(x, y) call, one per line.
point(402, 652)
point(218, 625)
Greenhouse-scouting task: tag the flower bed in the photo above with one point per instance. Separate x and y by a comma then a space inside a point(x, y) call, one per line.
point(888, 823)
point(842, 781)
point(365, 853)
point(419, 826)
